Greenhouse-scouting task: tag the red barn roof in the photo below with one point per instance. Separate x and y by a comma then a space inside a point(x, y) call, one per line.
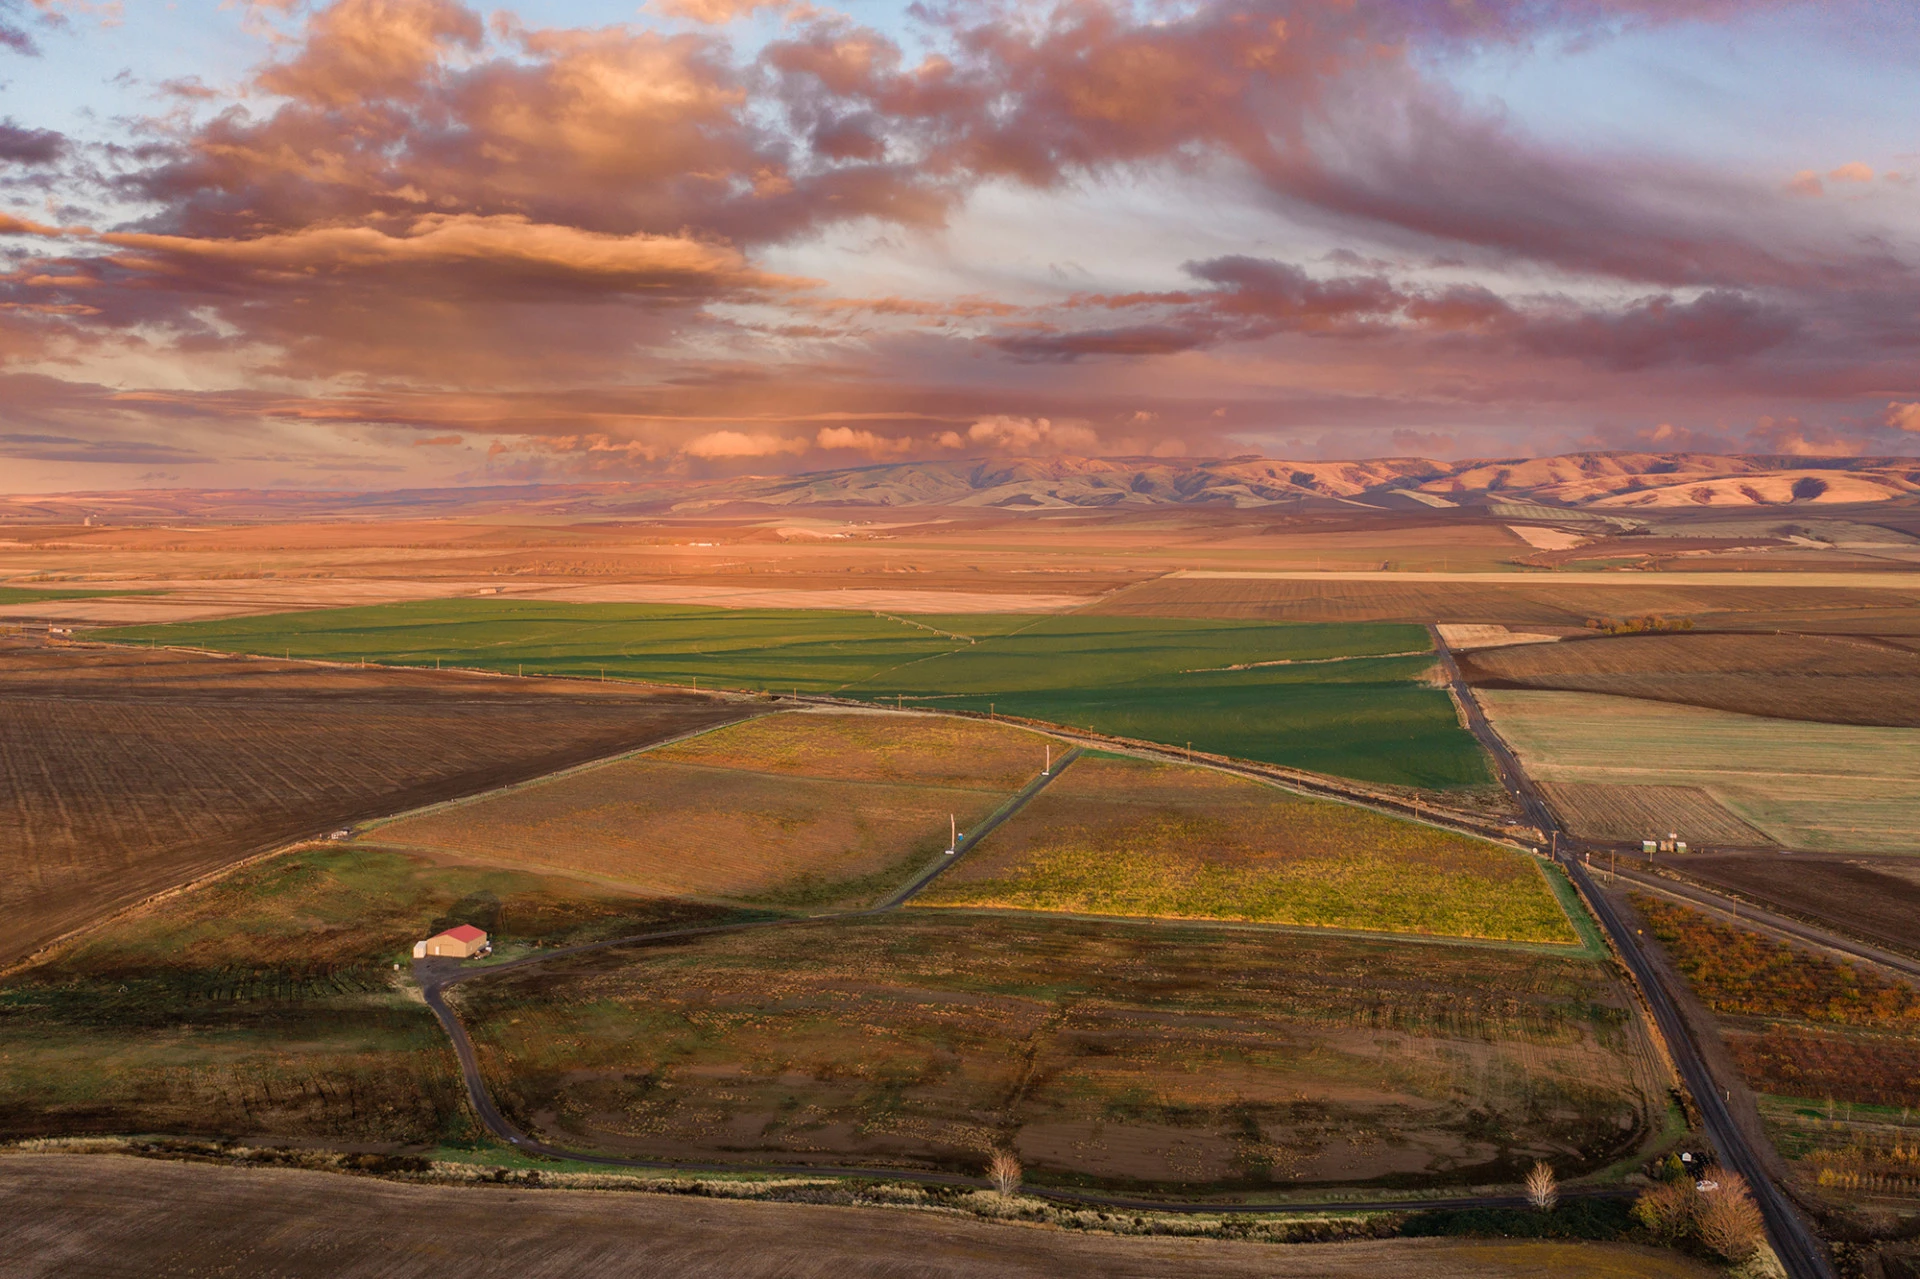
point(464, 933)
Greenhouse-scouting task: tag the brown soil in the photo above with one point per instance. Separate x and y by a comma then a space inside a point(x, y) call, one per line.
point(1133, 1056)
point(132, 771)
point(1531, 600)
point(1876, 899)
point(110, 1215)
point(798, 809)
point(1827, 680)
point(1627, 813)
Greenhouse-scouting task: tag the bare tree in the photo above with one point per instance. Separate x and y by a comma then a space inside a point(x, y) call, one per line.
point(1543, 1190)
point(1004, 1172)
point(1729, 1222)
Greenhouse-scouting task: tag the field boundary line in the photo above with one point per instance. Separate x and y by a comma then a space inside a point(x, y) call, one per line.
point(981, 830)
point(1297, 661)
point(1568, 896)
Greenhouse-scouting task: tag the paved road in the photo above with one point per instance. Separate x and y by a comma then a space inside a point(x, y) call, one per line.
point(1800, 1250)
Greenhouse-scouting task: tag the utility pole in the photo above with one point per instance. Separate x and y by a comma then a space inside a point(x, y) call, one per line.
point(1048, 770)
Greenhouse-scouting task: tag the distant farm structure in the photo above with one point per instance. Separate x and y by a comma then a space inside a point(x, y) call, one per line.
point(463, 941)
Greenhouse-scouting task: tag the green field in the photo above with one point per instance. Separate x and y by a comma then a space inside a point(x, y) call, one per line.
point(1329, 697)
point(1118, 836)
point(269, 1002)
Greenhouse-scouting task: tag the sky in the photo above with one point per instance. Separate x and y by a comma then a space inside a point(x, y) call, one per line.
point(376, 244)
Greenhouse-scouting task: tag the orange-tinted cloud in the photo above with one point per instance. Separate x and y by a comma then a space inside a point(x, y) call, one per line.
point(603, 248)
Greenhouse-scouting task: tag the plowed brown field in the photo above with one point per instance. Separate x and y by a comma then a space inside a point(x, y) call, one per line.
point(129, 772)
point(1625, 813)
point(111, 1215)
point(1876, 899)
point(1533, 599)
point(1834, 681)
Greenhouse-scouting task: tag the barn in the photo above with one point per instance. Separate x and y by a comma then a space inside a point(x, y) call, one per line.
point(461, 942)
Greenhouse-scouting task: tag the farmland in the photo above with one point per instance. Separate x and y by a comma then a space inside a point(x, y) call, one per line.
point(1808, 1032)
point(1105, 1053)
point(1527, 599)
point(1628, 814)
point(798, 809)
point(111, 1214)
point(1330, 698)
point(1124, 837)
point(130, 771)
point(1821, 787)
point(1877, 900)
point(815, 651)
point(1740, 972)
point(1828, 680)
point(267, 1002)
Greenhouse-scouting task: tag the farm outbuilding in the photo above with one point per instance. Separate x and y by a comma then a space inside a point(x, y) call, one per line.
point(461, 942)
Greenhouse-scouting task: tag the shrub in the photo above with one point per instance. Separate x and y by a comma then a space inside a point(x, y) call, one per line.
point(1728, 1222)
point(1666, 1211)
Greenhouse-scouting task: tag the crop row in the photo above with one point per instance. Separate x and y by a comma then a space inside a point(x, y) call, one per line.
point(1737, 971)
point(1875, 1071)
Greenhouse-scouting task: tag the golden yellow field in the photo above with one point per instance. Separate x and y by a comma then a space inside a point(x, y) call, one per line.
point(1125, 837)
point(796, 809)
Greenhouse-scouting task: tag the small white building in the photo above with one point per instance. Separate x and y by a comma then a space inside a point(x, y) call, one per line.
point(462, 942)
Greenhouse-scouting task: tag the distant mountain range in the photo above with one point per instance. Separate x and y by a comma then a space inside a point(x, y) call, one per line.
point(1607, 481)
point(1597, 486)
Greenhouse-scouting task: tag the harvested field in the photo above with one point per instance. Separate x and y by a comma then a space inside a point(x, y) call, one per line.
point(1526, 599)
point(1827, 680)
point(1460, 636)
point(131, 771)
point(1626, 814)
point(798, 809)
point(1126, 837)
point(113, 1215)
point(268, 1002)
point(1821, 787)
point(1876, 900)
point(1104, 1053)
point(1110, 1054)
